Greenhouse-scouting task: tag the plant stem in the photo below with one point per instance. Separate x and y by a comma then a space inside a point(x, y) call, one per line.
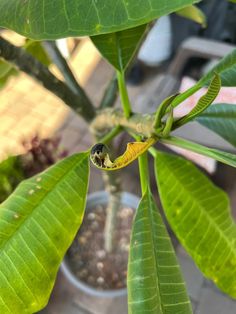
point(182, 97)
point(61, 63)
point(112, 180)
point(161, 111)
point(221, 156)
point(124, 94)
point(169, 122)
point(31, 66)
point(110, 94)
point(152, 151)
point(141, 124)
point(113, 186)
point(109, 136)
point(143, 172)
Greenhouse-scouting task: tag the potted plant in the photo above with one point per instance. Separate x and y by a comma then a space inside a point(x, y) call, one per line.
point(88, 265)
point(42, 216)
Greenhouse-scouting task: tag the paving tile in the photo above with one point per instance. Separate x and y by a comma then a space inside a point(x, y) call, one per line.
point(33, 109)
point(84, 60)
point(193, 277)
point(66, 308)
point(211, 302)
point(69, 138)
point(96, 84)
point(77, 123)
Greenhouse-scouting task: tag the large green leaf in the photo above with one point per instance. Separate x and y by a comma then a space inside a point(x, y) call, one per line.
point(155, 284)
point(199, 214)
point(193, 13)
point(118, 48)
point(221, 118)
point(37, 224)
point(221, 156)
point(226, 68)
point(63, 18)
point(204, 102)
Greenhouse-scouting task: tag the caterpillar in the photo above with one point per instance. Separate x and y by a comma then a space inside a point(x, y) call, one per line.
point(99, 154)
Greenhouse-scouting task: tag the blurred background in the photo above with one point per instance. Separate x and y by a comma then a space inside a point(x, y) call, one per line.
point(37, 129)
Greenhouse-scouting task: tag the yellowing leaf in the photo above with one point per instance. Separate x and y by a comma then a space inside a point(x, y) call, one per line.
point(100, 157)
point(193, 13)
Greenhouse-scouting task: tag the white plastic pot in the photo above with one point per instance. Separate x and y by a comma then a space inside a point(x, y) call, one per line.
point(94, 199)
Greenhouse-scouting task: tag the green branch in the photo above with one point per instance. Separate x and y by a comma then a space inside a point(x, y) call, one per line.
point(110, 135)
point(182, 97)
point(143, 172)
point(124, 94)
point(110, 94)
point(141, 124)
point(62, 65)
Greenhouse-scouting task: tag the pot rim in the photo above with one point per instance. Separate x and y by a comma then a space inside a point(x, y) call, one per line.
point(100, 197)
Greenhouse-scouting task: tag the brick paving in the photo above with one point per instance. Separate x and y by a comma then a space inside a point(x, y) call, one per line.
point(27, 109)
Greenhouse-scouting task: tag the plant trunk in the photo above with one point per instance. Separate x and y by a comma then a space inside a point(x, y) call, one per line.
point(113, 186)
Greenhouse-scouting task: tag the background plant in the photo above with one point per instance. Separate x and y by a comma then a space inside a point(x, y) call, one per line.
point(40, 219)
point(40, 154)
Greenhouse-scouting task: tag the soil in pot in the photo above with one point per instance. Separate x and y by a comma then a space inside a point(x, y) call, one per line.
point(87, 256)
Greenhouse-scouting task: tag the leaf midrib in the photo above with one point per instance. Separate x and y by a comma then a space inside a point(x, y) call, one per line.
point(150, 216)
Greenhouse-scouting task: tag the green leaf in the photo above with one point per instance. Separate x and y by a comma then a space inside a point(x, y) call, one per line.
point(5, 67)
point(199, 214)
point(37, 224)
point(204, 102)
point(162, 110)
point(11, 174)
point(118, 48)
point(221, 118)
point(6, 71)
point(193, 13)
point(226, 68)
point(57, 19)
point(155, 284)
point(36, 49)
point(224, 157)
